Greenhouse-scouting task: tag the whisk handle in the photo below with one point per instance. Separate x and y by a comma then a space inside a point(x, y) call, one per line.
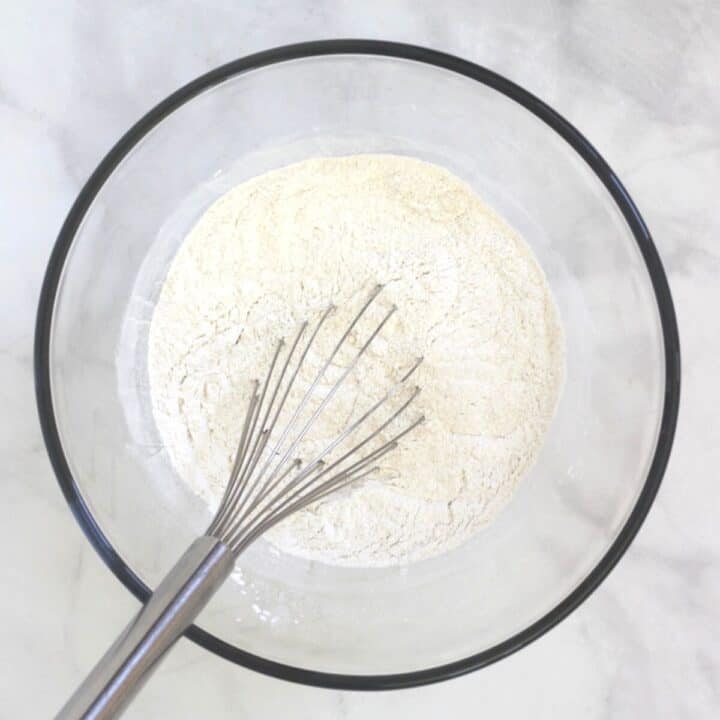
point(171, 609)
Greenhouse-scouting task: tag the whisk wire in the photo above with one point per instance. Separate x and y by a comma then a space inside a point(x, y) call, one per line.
point(321, 373)
point(233, 487)
point(262, 435)
point(230, 506)
point(291, 423)
point(269, 484)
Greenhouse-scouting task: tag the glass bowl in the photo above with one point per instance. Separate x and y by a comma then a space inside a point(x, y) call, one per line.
point(573, 516)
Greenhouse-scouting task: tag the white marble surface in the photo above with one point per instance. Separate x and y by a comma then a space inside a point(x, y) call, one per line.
point(639, 78)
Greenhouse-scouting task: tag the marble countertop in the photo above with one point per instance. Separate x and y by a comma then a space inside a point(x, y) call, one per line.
point(640, 79)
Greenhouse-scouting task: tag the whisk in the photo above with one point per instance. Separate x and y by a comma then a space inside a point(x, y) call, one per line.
point(267, 483)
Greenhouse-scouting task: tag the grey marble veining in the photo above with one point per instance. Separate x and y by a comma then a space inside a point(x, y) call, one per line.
point(639, 79)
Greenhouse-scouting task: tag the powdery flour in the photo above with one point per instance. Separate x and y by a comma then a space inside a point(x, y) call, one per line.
point(472, 300)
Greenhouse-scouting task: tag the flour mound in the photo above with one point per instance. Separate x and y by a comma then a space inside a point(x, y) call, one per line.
point(472, 300)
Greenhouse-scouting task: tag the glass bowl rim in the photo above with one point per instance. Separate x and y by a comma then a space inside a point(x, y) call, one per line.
point(592, 158)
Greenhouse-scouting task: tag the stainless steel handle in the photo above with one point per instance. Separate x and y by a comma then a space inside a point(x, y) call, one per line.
point(171, 609)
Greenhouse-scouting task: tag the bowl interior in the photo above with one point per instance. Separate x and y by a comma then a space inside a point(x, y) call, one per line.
point(566, 513)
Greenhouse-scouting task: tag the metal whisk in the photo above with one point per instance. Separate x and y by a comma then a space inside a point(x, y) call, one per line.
point(267, 483)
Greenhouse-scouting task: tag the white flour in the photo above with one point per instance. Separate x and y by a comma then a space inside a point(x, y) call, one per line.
point(472, 300)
